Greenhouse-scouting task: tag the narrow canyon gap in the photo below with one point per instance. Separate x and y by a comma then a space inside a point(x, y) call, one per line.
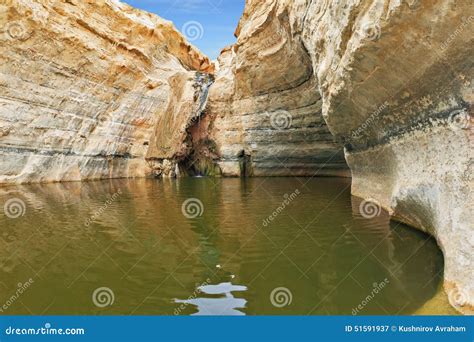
point(378, 90)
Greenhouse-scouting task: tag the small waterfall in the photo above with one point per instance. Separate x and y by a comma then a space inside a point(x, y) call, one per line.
point(202, 85)
point(200, 159)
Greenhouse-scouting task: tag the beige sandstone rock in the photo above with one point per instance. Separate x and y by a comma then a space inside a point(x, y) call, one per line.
point(395, 82)
point(83, 85)
point(94, 89)
point(265, 103)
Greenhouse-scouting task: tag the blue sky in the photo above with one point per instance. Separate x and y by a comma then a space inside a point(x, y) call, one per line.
point(208, 24)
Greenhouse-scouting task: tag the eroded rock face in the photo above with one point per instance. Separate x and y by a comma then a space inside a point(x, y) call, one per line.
point(395, 83)
point(83, 85)
point(265, 103)
point(172, 144)
point(94, 89)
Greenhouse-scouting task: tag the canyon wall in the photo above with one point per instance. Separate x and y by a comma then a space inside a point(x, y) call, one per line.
point(394, 81)
point(96, 89)
point(265, 108)
point(83, 86)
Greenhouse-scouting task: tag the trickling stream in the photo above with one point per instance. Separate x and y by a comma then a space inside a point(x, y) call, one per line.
point(199, 159)
point(187, 138)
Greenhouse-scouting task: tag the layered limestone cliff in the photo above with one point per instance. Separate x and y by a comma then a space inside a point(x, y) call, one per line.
point(265, 106)
point(83, 86)
point(95, 89)
point(395, 82)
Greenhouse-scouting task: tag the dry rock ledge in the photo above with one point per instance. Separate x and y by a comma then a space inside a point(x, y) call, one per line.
point(96, 89)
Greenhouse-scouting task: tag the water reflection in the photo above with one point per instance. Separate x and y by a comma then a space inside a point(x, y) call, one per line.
point(226, 304)
point(76, 237)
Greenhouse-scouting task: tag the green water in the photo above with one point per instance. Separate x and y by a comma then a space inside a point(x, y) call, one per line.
point(130, 247)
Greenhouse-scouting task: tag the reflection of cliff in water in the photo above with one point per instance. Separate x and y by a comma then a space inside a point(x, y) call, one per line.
point(144, 248)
